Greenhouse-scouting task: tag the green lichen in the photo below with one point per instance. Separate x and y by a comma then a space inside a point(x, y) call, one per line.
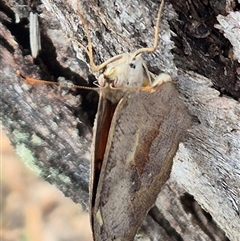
point(28, 158)
point(36, 140)
point(20, 136)
point(55, 173)
point(64, 178)
point(49, 153)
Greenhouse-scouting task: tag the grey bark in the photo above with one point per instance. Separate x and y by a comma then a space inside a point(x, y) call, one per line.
point(52, 130)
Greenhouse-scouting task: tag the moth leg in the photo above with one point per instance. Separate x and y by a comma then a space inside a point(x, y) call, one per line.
point(154, 80)
point(158, 81)
point(33, 81)
point(161, 78)
point(148, 75)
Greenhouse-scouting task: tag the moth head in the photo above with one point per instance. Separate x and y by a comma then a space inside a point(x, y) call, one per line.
point(129, 70)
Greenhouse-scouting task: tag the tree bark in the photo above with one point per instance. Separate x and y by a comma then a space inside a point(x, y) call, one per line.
point(52, 130)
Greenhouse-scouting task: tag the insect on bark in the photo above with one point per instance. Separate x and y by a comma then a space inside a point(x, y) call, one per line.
point(138, 127)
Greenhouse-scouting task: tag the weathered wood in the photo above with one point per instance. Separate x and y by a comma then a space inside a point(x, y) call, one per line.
point(53, 132)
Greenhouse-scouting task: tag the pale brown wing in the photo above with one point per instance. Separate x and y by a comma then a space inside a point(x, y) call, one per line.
point(144, 136)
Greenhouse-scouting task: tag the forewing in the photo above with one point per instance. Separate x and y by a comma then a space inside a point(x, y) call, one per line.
point(102, 125)
point(144, 136)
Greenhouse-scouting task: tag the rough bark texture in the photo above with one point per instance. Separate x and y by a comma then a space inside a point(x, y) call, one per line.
point(52, 130)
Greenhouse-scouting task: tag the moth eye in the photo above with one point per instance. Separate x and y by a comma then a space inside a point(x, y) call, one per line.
point(133, 66)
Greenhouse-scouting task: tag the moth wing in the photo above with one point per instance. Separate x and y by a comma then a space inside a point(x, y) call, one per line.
point(102, 124)
point(144, 136)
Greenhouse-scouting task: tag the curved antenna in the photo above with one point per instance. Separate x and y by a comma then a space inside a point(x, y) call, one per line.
point(153, 48)
point(89, 48)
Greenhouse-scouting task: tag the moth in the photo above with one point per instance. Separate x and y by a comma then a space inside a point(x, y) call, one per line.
point(139, 124)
